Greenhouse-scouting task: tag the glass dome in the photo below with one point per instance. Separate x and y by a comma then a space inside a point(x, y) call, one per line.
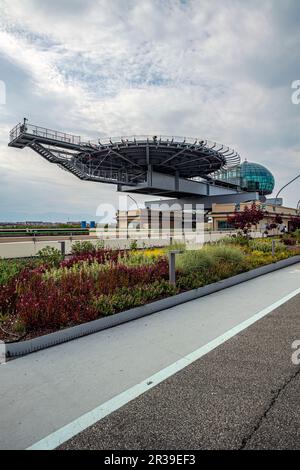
point(256, 177)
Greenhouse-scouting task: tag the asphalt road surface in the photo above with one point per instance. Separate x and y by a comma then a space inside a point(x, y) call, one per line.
point(242, 395)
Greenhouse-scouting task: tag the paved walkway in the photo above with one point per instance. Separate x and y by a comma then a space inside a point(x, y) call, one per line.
point(41, 393)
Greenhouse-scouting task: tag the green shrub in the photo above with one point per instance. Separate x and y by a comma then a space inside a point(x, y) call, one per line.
point(265, 245)
point(11, 268)
point(176, 245)
point(8, 270)
point(208, 256)
point(133, 245)
point(137, 258)
point(195, 260)
point(239, 239)
point(99, 245)
point(80, 247)
point(82, 267)
point(190, 281)
point(228, 254)
point(256, 259)
point(129, 297)
point(50, 255)
point(297, 235)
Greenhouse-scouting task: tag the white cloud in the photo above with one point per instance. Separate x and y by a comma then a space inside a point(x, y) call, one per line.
point(221, 70)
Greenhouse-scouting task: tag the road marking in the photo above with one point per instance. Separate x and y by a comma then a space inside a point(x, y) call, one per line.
point(88, 419)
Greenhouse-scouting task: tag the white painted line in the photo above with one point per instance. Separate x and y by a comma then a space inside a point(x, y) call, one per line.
point(88, 419)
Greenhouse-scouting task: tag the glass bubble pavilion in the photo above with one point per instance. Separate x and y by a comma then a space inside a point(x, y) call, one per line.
point(249, 176)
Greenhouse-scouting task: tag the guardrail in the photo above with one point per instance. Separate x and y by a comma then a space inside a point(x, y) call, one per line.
point(23, 248)
point(43, 132)
point(42, 232)
point(232, 157)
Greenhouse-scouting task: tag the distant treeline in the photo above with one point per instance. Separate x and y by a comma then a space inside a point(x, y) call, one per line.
point(39, 225)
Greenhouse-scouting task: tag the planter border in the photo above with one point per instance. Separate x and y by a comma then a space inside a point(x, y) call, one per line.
point(21, 348)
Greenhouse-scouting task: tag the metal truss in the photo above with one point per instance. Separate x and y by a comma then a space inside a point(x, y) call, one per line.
point(125, 160)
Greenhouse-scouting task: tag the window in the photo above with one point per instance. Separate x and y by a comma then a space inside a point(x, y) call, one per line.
point(224, 225)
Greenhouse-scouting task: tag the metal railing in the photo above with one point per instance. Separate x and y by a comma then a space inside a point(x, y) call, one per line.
point(43, 132)
point(231, 157)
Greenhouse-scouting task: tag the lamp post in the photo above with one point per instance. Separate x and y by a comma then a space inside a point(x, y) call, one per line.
point(172, 266)
point(132, 198)
point(283, 187)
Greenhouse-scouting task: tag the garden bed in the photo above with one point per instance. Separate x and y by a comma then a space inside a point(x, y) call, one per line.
point(19, 348)
point(109, 287)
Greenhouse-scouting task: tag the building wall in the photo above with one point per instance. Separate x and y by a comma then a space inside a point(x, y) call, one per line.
point(139, 219)
point(220, 212)
point(144, 219)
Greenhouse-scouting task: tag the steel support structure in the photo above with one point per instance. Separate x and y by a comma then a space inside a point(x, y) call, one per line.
point(125, 161)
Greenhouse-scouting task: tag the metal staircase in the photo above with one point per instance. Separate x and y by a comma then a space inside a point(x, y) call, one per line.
point(73, 168)
point(68, 165)
point(44, 152)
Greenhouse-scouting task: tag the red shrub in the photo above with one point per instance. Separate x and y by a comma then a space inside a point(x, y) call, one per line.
point(295, 223)
point(125, 276)
point(101, 256)
point(46, 303)
point(50, 303)
point(8, 297)
point(245, 219)
point(289, 241)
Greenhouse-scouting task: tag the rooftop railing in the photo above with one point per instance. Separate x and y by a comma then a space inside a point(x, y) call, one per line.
point(231, 156)
point(44, 133)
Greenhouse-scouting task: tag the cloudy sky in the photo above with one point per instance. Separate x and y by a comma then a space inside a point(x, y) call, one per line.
point(219, 69)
